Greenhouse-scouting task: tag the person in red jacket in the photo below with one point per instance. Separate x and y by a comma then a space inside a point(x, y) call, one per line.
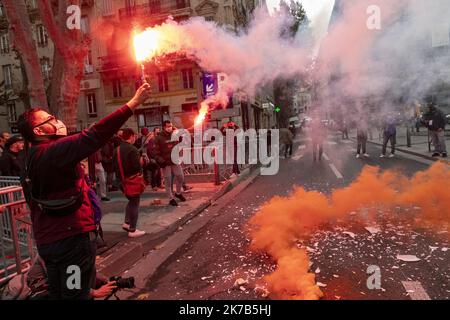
point(57, 194)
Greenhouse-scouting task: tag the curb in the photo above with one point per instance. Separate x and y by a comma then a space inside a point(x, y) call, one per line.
point(417, 154)
point(123, 255)
point(151, 263)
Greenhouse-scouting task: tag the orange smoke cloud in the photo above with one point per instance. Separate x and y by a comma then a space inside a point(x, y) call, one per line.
point(281, 222)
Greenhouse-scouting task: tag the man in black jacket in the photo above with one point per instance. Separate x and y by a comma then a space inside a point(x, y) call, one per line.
point(11, 162)
point(65, 236)
point(435, 120)
point(107, 153)
point(163, 155)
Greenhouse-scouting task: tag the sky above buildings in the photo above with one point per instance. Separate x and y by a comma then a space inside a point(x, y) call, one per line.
point(318, 11)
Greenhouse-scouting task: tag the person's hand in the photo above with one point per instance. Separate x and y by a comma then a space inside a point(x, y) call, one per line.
point(141, 95)
point(104, 290)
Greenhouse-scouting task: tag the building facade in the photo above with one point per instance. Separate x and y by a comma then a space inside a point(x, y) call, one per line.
point(111, 74)
point(413, 51)
point(11, 80)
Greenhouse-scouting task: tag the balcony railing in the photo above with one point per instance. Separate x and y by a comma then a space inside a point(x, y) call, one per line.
point(121, 60)
point(155, 7)
point(116, 61)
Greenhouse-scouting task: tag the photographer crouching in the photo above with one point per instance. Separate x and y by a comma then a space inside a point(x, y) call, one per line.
point(57, 194)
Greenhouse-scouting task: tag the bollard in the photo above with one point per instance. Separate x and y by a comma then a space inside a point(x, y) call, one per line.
point(408, 137)
point(216, 169)
point(429, 142)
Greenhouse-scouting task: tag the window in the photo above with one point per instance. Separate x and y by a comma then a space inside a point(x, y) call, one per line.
point(1, 10)
point(32, 4)
point(42, 37)
point(163, 82)
point(181, 4)
point(117, 88)
point(189, 107)
point(12, 113)
point(45, 68)
point(130, 3)
point(130, 6)
point(440, 35)
point(155, 6)
point(4, 43)
point(91, 104)
point(7, 76)
point(228, 14)
point(188, 80)
point(84, 25)
point(107, 8)
point(209, 18)
point(88, 67)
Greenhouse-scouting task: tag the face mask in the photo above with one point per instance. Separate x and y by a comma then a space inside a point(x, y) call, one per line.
point(60, 129)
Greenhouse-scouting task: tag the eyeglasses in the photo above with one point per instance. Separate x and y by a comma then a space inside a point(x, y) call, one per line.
point(51, 118)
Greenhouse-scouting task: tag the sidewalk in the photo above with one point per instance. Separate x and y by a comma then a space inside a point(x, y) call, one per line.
point(158, 220)
point(419, 144)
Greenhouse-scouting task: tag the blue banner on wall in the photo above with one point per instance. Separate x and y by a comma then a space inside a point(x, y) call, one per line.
point(210, 84)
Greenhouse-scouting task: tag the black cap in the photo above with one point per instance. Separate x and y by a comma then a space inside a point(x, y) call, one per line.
point(12, 140)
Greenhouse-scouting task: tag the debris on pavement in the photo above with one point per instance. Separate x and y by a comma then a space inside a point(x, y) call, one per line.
point(407, 258)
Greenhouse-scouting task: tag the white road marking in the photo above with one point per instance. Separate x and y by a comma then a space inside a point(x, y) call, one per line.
point(302, 147)
point(325, 156)
point(336, 171)
point(332, 143)
point(297, 157)
point(415, 290)
point(347, 141)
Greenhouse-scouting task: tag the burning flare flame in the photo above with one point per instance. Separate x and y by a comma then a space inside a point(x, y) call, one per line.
point(201, 114)
point(146, 44)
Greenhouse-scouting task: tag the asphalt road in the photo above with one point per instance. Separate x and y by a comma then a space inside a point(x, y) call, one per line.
point(208, 265)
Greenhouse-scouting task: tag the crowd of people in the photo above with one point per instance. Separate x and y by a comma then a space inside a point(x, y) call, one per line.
point(65, 210)
point(433, 119)
point(148, 155)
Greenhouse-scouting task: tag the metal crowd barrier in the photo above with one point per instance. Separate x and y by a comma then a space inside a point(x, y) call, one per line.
point(6, 181)
point(16, 243)
point(220, 172)
point(201, 169)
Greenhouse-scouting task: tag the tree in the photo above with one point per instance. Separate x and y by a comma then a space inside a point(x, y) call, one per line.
point(300, 19)
point(23, 43)
point(284, 89)
point(242, 12)
point(68, 61)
